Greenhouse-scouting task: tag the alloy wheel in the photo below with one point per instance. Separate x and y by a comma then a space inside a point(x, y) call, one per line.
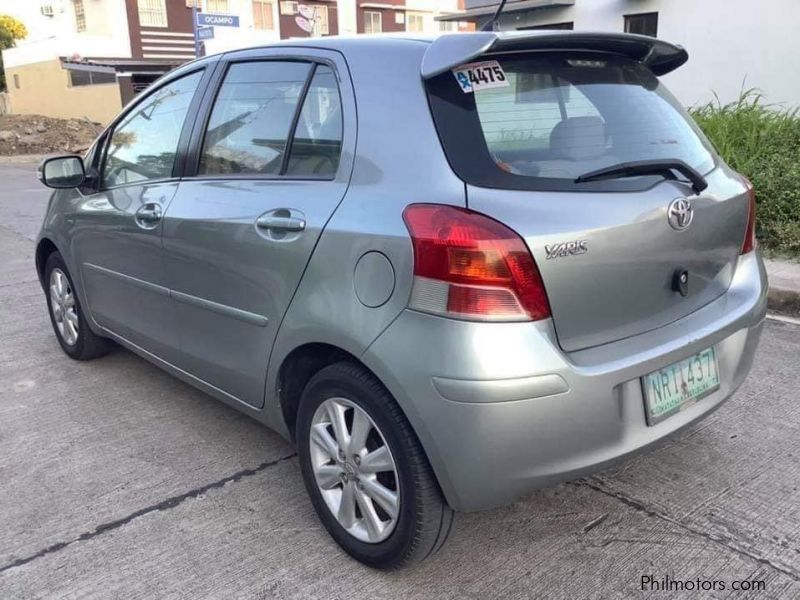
point(354, 470)
point(62, 304)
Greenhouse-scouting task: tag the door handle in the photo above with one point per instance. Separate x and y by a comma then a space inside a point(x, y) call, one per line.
point(149, 215)
point(274, 221)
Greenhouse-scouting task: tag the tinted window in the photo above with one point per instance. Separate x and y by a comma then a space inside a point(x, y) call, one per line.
point(251, 118)
point(560, 118)
point(317, 141)
point(144, 144)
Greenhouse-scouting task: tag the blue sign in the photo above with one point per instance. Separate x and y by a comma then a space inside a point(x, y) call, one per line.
point(212, 20)
point(205, 33)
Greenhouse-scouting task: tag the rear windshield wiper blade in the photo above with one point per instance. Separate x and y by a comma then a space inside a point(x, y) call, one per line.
point(666, 168)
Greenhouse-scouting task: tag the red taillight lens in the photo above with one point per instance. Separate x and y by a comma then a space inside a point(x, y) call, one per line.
point(750, 242)
point(468, 265)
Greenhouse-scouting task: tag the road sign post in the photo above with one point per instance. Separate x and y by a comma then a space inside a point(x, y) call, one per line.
point(203, 25)
point(194, 30)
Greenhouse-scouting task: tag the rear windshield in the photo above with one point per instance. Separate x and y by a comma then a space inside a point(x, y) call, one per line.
point(557, 117)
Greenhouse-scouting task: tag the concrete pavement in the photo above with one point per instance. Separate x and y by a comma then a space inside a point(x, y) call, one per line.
point(120, 481)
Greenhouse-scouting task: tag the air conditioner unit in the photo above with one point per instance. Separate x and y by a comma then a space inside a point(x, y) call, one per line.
point(288, 8)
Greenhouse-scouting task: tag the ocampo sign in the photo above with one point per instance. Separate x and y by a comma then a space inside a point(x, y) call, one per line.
point(212, 20)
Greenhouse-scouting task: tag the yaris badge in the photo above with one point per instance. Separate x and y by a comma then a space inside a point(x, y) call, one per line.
point(680, 214)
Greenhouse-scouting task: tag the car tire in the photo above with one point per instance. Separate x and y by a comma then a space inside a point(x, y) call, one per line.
point(422, 519)
point(66, 314)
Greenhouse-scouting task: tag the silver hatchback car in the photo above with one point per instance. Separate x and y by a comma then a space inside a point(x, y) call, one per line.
point(452, 270)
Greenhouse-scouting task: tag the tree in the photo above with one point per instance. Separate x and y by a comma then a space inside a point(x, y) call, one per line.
point(11, 30)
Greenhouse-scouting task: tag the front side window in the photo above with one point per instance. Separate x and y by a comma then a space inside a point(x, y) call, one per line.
point(372, 22)
point(152, 13)
point(252, 117)
point(144, 144)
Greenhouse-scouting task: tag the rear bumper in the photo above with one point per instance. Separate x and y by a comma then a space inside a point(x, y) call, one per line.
point(501, 410)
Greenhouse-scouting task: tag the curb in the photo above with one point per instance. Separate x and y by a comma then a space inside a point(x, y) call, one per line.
point(785, 302)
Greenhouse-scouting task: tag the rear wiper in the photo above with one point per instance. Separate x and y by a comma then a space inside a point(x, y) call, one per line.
point(666, 168)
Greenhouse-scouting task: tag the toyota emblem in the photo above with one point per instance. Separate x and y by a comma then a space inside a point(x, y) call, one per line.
point(680, 214)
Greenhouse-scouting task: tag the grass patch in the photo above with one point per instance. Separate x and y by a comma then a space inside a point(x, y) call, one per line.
point(762, 142)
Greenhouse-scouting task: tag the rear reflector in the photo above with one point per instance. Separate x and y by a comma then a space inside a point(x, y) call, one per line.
point(750, 242)
point(467, 265)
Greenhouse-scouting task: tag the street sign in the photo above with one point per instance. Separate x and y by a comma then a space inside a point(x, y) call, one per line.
point(212, 20)
point(205, 33)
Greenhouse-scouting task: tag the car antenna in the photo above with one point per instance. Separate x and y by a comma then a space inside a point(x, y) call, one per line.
point(494, 23)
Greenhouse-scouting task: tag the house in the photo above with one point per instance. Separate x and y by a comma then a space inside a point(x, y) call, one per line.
point(733, 44)
point(88, 58)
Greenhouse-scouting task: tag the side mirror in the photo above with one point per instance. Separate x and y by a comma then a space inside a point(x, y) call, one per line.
point(62, 172)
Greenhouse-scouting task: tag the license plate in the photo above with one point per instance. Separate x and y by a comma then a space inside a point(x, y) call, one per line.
point(673, 388)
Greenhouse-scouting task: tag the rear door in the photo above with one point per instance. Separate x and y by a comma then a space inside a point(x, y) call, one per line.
point(609, 252)
point(267, 175)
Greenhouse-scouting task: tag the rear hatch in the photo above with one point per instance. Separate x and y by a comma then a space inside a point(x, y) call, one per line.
point(611, 251)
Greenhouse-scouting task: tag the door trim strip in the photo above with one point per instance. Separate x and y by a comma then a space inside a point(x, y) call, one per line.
point(222, 309)
point(140, 283)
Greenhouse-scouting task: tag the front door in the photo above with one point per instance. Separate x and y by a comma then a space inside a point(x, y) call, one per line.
point(238, 234)
point(117, 239)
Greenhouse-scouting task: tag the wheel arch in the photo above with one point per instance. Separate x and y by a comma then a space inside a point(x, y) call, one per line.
point(297, 368)
point(44, 249)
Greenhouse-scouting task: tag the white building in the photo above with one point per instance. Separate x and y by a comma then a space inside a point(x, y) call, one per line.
point(731, 43)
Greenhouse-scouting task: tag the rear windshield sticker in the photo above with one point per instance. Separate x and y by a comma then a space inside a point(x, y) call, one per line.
point(480, 75)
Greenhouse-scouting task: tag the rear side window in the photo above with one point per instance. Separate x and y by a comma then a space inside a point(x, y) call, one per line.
point(252, 117)
point(317, 141)
point(560, 117)
point(263, 124)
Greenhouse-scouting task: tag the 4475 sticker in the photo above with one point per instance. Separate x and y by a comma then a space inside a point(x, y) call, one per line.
point(480, 75)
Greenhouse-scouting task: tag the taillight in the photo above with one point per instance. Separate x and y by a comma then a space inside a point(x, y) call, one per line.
point(467, 265)
point(750, 242)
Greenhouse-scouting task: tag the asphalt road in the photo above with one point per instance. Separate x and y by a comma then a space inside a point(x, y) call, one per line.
point(119, 481)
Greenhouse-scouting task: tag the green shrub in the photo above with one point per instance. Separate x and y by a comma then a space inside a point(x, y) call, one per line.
point(763, 143)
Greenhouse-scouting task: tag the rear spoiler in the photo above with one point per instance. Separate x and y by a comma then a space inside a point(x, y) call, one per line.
point(451, 50)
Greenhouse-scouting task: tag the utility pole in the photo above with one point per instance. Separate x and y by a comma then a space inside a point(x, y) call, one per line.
point(194, 29)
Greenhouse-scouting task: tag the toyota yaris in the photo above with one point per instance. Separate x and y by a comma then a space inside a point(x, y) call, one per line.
point(452, 270)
